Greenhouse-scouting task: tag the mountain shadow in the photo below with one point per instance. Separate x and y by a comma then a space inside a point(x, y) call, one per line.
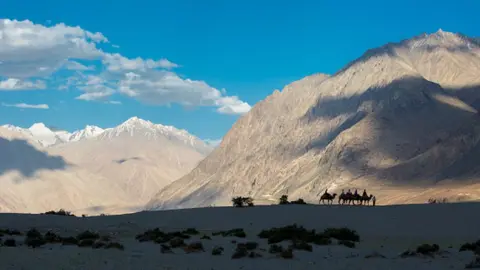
point(123, 160)
point(18, 155)
point(427, 133)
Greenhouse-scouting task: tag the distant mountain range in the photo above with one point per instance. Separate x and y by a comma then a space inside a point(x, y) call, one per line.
point(401, 121)
point(92, 170)
point(46, 136)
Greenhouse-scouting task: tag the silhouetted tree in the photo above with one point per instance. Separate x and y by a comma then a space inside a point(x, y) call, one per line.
point(283, 199)
point(242, 201)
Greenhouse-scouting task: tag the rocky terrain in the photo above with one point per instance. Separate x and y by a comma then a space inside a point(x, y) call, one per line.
point(94, 170)
point(401, 121)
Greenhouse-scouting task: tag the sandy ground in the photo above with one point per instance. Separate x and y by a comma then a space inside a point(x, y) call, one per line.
point(388, 230)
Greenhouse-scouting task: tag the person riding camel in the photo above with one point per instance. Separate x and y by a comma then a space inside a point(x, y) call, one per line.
point(356, 193)
point(364, 193)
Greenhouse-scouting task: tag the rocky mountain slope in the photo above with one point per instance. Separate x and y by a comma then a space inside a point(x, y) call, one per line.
point(93, 170)
point(401, 117)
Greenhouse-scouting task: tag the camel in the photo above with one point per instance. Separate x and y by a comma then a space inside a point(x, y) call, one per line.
point(366, 199)
point(353, 198)
point(348, 198)
point(327, 197)
point(344, 198)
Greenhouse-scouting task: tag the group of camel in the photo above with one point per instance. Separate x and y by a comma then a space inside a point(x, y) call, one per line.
point(348, 198)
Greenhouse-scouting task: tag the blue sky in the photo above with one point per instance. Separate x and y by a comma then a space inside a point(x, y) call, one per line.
point(218, 56)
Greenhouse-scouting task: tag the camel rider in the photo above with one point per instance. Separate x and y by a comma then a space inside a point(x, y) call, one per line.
point(356, 193)
point(349, 192)
point(364, 193)
point(343, 193)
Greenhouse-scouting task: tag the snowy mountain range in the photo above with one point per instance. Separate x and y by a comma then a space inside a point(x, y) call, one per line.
point(92, 170)
point(48, 137)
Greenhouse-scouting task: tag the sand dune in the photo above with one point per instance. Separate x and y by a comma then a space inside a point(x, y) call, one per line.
point(388, 230)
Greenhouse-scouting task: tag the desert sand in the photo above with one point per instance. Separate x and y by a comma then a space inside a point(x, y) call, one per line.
point(387, 230)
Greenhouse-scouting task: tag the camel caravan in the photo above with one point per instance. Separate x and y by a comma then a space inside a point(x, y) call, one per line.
point(348, 198)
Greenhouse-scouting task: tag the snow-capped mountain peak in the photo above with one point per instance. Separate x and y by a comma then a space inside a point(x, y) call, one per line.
point(43, 134)
point(88, 132)
point(133, 127)
point(39, 127)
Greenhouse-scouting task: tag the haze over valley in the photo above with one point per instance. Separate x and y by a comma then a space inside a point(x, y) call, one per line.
point(94, 170)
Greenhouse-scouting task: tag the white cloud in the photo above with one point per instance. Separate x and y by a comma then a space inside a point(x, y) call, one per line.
point(95, 92)
point(29, 50)
point(27, 106)
point(114, 102)
point(33, 54)
point(117, 62)
point(74, 65)
point(12, 84)
point(163, 87)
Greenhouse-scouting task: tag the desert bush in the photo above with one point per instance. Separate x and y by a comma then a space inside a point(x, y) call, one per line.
point(240, 252)
point(342, 234)
point(427, 249)
point(474, 264)
point(424, 249)
point(159, 237)
point(275, 248)
point(60, 212)
point(177, 242)
point(206, 237)
point(254, 254)
point(69, 241)
point(114, 245)
point(239, 232)
point(374, 255)
point(51, 237)
point(191, 231)
point(291, 232)
point(287, 254)
point(33, 233)
point(165, 249)
point(98, 244)
point(194, 247)
point(437, 200)
point(217, 250)
point(89, 242)
point(88, 235)
point(322, 240)
point(283, 199)
point(473, 246)
point(105, 238)
point(299, 201)
point(347, 243)
point(242, 201)
point(10, 242)
point(34, 238)
point(251, 245)
point(301, 245)
point(9, 232)
point(300, 234)
point(408, 253)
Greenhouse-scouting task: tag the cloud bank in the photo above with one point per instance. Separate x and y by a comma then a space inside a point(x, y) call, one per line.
point(27, 106)
point(35, 56)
